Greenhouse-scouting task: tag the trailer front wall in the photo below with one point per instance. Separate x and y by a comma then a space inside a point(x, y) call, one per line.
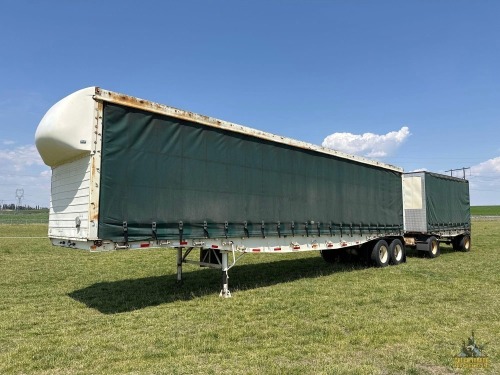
point(196, 181)
point(69, 200)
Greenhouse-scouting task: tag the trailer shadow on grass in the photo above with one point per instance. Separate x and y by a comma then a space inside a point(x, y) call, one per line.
point(128, 295)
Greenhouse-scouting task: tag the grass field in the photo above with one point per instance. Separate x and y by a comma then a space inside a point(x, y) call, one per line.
point(71, 312)
point(24, 216)
point(485, 210)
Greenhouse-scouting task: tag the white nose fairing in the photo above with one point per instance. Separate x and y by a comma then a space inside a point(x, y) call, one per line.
point(65, 132)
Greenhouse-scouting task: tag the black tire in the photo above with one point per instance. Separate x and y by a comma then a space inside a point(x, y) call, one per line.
point(465, 243)
point(433, 249)
point(455, 242)
point(380, 255)
point(397, 252)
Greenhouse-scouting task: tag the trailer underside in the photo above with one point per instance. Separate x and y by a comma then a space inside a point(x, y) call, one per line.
point(224, 253)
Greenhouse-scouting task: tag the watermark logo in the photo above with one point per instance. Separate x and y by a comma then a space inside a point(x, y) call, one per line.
point(472, 355)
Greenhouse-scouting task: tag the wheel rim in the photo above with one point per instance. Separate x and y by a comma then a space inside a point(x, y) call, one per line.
point(434, 247)
point(398, 252)
point(466, 244)
point(383, 254)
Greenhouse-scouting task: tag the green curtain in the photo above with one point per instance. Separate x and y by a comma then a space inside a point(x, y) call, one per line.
point(160, 169)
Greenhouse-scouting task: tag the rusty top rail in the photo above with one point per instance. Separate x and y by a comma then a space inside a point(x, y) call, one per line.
point(133, 102)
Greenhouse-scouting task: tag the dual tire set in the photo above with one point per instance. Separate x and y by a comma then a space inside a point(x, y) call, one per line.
point(380, 253)
point(383, 252)
point(431, 248)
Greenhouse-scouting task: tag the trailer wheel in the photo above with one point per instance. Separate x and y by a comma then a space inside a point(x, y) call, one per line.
point(380, 254)
point(396, 252)
point(433, 247)
point(465, 243)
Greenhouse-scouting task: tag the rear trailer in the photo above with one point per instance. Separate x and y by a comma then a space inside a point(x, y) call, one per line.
point(132, 174)
point(436, 209)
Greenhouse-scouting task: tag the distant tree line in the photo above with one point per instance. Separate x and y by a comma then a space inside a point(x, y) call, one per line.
point(13, 206)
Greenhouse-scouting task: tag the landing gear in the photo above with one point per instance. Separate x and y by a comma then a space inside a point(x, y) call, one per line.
point(179, 265)
point(225, 293)
point(208, 258)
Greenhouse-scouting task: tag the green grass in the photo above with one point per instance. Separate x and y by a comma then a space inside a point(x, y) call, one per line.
point(71, 312)
point(24, 216)
point(485, 210)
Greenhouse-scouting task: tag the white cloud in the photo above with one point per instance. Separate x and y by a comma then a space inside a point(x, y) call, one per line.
point(8, 142)
point(491, 166)
point(367, 144)
point(20, 157)
point(485, 182)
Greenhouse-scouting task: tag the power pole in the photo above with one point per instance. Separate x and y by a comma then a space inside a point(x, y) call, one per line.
point(458, 169)
point(19, 196)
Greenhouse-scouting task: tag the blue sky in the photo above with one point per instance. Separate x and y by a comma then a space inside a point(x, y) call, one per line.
point(415, 83)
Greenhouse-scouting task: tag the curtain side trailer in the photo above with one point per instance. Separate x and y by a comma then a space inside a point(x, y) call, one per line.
point(128, 173)
point(436, 210)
